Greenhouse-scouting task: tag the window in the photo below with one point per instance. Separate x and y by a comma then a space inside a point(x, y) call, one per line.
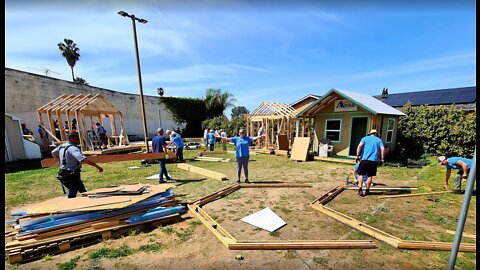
point(332, 130)
point(390, 127)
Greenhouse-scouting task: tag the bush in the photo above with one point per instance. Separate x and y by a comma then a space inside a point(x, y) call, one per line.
point(434, 130)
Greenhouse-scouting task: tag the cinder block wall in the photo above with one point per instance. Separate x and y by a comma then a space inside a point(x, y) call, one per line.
point(26, 92)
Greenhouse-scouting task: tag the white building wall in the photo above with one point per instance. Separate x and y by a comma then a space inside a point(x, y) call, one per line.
point(26, 92)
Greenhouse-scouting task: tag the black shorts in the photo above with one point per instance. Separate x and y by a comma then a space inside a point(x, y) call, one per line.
point(368, 167)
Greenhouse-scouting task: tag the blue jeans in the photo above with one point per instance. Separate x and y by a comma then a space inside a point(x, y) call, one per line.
point(212, 146)
point(163, 169)
point(72, 193)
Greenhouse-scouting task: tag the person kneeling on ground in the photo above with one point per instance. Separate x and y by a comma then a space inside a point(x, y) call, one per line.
point(461, 164)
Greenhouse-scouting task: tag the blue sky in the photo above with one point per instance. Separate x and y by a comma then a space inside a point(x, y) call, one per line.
point(276, 51)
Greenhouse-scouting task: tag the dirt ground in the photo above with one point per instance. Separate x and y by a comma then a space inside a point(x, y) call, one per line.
point(193, 246)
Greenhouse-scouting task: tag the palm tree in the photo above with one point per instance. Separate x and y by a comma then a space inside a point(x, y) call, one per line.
point(70, 52)
point(217, 102)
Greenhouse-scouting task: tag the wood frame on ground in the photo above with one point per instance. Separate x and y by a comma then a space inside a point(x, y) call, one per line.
point(231, 243)
point(320, 205)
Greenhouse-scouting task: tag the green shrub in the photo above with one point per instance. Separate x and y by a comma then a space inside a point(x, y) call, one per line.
point(434, 130)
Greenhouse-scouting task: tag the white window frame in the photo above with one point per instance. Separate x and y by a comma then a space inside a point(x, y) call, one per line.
point(334, 130)
point(390, 130)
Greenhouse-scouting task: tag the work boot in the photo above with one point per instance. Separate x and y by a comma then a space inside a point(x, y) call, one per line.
point(367, 191)
point(162, 181)
point(238, 181)
point(360, 193)
point(246, 181)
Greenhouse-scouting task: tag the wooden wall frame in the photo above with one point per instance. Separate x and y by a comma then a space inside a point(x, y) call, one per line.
point(231, 243)
point(83, 108)
point(320, 205)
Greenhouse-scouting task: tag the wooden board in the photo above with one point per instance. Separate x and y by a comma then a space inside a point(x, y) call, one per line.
point(213, 159)
point(335, 160)
point(115, 149)
point(282, 141)
point(413, 194)
point(463, 235)
point(49, 162)
point(63, 204)
point(202, 171)
point(303, 244)
point(300, 148)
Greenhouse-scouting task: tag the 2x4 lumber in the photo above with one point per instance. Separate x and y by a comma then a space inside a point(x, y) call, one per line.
point(336, 160)
point(202, 171)
point(414, 194)
point(463, 235)
point(328, 196)
point(464, 247)
point(386, 188)
point(90, 231)
point(217, 195)
point(275, 185)
point(49, 162)
point(50, 134)
point(213, 159)
point(225, 240)
point(369, 230)
point(315, 244)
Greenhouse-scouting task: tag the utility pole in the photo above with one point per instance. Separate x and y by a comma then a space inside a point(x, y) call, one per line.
point(142, 104)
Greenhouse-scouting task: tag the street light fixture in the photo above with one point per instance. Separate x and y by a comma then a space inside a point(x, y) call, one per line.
point(125, 14)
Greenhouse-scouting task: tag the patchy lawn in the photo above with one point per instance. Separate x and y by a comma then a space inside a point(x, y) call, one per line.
point(190, 245)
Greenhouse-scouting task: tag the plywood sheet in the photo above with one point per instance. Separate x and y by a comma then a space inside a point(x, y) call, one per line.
point(265, 219)
point(300, 148)
point(282, 141)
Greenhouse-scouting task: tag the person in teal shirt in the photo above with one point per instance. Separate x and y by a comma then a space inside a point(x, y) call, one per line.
point(461, 164)
point(242, 152)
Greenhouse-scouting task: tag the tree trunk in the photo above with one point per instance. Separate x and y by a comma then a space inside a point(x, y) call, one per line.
point(73, 76)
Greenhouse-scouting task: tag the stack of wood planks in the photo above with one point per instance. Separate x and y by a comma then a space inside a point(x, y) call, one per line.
point(61, 224)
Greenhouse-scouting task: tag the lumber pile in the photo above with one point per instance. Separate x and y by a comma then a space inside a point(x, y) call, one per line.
point(61, 224)
point(214, 159)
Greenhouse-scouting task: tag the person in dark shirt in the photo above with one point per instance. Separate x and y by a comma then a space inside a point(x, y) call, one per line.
point(25, 130)
point(159, 145)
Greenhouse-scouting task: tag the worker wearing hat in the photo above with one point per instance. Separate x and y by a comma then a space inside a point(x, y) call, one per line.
point(461, 164)
point(369, 150)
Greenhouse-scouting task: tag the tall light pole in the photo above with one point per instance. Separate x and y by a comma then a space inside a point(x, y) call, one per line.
point(142, 104)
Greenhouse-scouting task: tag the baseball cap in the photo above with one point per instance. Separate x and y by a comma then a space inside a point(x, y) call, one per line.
point(373, 131)
point(441, 159)
point(159, 130)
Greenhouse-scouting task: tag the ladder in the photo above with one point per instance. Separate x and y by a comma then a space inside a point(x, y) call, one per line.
point(94, 140)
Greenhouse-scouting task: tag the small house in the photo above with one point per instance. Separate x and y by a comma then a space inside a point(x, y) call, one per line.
point(343, 118)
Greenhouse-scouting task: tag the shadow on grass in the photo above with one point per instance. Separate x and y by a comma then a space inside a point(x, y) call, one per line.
point(23, 165)
point(186, 181)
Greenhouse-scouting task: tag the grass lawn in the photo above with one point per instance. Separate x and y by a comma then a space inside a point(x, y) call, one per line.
point(188, 244)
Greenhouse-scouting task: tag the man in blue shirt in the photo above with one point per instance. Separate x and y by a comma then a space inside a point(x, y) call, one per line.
point(71, 159)
point(242, 152)
point(177, 140)
point(461, 164)
point(159, 145)
point(211, 139)
point(370, 147)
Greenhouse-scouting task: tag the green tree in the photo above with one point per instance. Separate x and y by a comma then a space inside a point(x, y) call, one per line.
point(71, 52)
point(217, 102)
point(80, 81)
point(238, 111)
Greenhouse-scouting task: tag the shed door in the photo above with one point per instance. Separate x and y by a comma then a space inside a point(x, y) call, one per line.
point(359, 130)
